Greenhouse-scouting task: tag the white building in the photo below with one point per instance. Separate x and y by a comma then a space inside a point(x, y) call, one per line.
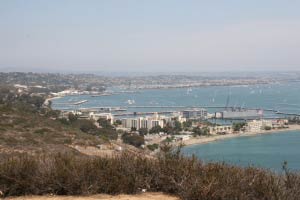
point(178, 116)
point(131, 123)
point(143, 122)
point(106, 116)
point(156, 122)
point(68, 92)
point(280, 123)
point(259, 125)
point(182, 137)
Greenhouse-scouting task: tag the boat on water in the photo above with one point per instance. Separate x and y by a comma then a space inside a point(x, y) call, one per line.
point(80, 102)
point(103, 94)
point(241, 113)
point(130, 102)
point(189, 90)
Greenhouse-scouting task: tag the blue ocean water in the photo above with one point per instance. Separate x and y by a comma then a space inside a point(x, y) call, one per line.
point(268, 151)
point(282, 97)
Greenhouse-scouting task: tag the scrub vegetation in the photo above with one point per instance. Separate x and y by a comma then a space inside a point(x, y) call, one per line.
point(26, 125)
point(170, 173)
point(36, 158)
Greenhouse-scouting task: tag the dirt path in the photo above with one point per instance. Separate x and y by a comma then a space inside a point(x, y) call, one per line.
point(144, 196)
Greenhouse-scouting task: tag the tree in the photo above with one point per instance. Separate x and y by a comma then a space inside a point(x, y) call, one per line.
point(110, 134)
point(104, 123)
point(53, 113)
point(168, 129)
point(155, 129)
point(107, 130)
point(143, 131)
point(177, 126)
point(200, 131)
point(133, 139)
point(206, 131)
point(72, 118)
point(267, 128)
point(238, 126)
point(152, 147)
point(118, 122)
point(87, 126)
point(37, 101)
point(63, 121)
point(187, 124)
point(197, 131)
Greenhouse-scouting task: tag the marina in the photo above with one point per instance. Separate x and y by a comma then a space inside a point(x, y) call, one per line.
point(273, 102)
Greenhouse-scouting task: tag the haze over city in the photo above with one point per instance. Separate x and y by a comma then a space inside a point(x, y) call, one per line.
point(149, 36)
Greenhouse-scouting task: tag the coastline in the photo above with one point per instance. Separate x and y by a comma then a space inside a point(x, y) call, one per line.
point(46, 102)
point(214, 138)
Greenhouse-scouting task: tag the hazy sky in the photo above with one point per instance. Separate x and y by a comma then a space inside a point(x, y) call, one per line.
point(149, 35)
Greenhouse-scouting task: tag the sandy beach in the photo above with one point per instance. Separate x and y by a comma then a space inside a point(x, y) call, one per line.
point(208, 139)
point(46, 102)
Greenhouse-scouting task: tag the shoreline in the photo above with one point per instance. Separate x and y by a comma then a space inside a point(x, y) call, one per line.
point(208, 139)
point(47, 100)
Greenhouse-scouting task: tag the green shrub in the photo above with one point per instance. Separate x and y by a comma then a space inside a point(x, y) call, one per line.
point(267, 128)
point(152, 147)
point(42, 131)
point(200, 131)
point(72, 118)
point(238, 126)
point(133, 139)
point(109, 134)
point(64, 121)
point(86, 126)
point(143, 131)
point(155, 129)
point(53, 113)
point(104, 123)
point(172, 173)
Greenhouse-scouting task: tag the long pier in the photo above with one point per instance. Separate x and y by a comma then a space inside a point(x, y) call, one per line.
point(124, 108)
point(193, 107)
point(75, 103)
point(142, 113)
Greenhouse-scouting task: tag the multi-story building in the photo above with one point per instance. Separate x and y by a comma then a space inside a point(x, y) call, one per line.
point(280, 123)
point(131, 123)
point(157, 122)
point(195, 114)
point(106, 116)
point(143, 122)
point(259, 125)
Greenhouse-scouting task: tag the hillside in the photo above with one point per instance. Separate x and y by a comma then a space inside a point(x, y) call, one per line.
point(32, 132)
point(43, 154)
point(27, 126)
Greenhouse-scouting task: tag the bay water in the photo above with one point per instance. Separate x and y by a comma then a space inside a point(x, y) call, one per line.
point(268, 151)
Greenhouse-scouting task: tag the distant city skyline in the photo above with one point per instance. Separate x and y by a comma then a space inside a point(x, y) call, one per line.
point(139, 36)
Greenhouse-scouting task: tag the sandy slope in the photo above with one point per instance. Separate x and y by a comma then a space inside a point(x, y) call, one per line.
point(144, 196)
